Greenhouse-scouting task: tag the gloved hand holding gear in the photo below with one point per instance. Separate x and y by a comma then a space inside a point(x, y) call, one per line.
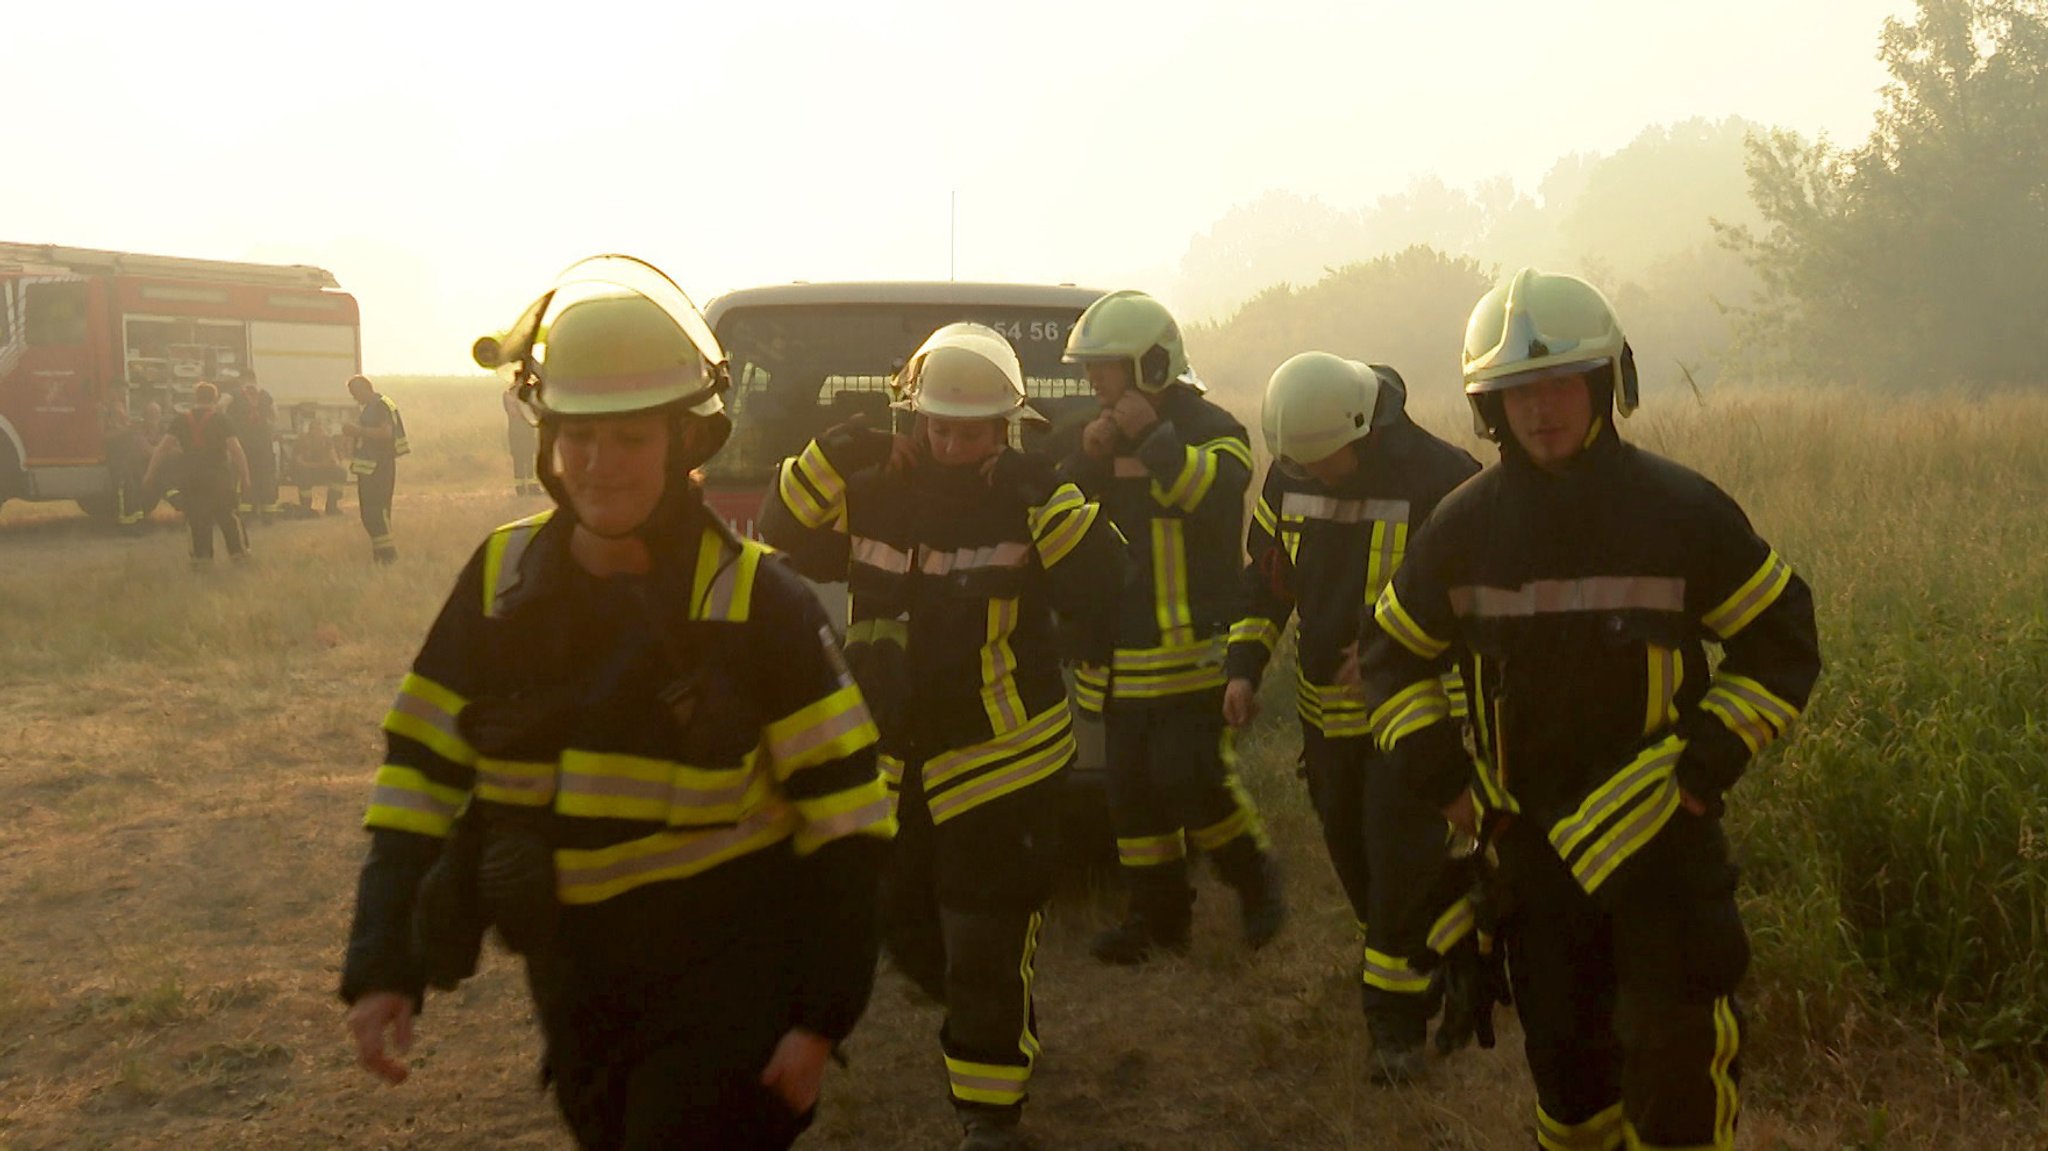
point(1134, 415)
point(1099, 439)
point(1475, 979)
point(857, 447)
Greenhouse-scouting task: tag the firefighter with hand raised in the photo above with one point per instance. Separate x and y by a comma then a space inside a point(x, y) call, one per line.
point(629, 745)
point(1171, 469)
point(1578, 582)
point(1352, 478)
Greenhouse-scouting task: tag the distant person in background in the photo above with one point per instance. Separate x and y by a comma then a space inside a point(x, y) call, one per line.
point(263, 468)
point(316, 460)
point(522, 441)
point(127, 459)
point(215, 468)
point(379, 438)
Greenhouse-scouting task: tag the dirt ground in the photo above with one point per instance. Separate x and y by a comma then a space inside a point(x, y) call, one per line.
point(183, 763)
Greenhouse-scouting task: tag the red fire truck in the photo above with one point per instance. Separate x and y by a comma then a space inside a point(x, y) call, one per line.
point(86, 335)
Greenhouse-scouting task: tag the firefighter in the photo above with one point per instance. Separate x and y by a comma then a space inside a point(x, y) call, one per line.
point(212, 469)
point(379, 438)
point(1352, 478)
point(1578, 581)
point(957, 552)
point(1171, 470)
point(520, 444)
point(630, 745)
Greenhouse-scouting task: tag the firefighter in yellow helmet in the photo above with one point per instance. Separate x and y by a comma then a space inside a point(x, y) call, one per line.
point(1578, 582)
point(1352, 478)
point(629, 745)
point(1171, 469)
point(957, 550)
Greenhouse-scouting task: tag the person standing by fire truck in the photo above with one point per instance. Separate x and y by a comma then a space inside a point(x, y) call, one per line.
point(213, 470)
point(379, 438)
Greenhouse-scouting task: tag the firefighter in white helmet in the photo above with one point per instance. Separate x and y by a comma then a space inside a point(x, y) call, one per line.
point(1171, 469)
point(1578, 582)
point(1352, 477)
point(630, 746)
point(957, 549)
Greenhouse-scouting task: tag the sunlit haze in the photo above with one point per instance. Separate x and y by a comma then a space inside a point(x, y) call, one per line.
point(445, 165)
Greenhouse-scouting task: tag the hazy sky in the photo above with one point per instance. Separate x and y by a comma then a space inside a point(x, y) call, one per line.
point(445, 166)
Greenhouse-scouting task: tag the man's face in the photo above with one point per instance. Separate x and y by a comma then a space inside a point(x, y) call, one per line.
point(1110, 379)
point(1550, 418)
point(956, 442)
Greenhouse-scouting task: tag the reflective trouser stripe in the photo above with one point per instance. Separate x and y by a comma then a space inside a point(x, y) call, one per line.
point(1603, 1132)
point(1392, 973)
point(1151, 850)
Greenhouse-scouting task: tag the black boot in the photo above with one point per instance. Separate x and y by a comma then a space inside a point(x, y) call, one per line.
point(1162, 908)
point(1262, 898)
point(991, 1129)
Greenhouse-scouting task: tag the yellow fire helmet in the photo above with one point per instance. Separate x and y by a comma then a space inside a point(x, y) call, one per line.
point(612, 336)
point(1538, 326)
point(1315, 404)
point(964, 372)
point(1132, 326)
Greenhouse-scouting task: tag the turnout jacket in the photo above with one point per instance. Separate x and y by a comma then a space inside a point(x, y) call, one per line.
point(962, 593)
point(700, 760)
point(1177, 499)
point(1580, 604)
point(1326, 553)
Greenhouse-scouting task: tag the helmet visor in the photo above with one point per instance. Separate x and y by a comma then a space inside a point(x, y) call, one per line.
point(613, 275)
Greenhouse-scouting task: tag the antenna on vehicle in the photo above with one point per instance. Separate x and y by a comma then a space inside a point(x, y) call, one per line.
point(952, 234)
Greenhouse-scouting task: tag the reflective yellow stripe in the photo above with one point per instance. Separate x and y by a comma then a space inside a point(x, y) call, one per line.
point(891, 768)
point(502, 553)
point(404, 799)
point(1059, 525)
point(1454, 692)
point(995, 1084)
point(1258, 630)
point(867, 809)
point(1559, 596)
point(609, 785)
point(1199, 468)
point(1243, 819)
point(894, 631)
point(1262, 515)
point(1392, 973)
point(1027, 968)
point(1170, 605)
point(831, 728)
point(427, 713)
point(1395, 621)
point(999, 698)
point(1150, 850)
point(596, 875)
point(1749, 709)
point(1603, 1132)
point(1091, 689)
point(1339, 711)
point(1727, 1045)
point(1408, 711)
point(723, 588)
point(962, 780)
point(944, 768)
point(1633, 805)
point(811, 488)
point(1389, 544)
point(1751, 599)
point(1660, 704)
point(1451, 927)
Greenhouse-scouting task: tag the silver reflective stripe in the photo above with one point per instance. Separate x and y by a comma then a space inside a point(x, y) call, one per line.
point(1304, 506)
point(516, 542)
point(1002, 555)
point(876, 554)
point(1550, 597)
point(385, 795)
point(847, 822)
point(427, 713)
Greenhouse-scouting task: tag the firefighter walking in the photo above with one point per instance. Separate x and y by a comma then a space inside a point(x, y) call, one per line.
point(630, 746)
point(1171, 469)
point(957, 550)
point(1352, 478)
point(1578, 581)
point(379, 438)
point(212, 470)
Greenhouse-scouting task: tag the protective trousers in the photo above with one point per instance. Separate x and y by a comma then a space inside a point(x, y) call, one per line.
point(206, 510)
point(697, 1091)
point(373, 493)
point(962, 905)
point(1627, 1004)
point(1172, 779)
point(1389, 851)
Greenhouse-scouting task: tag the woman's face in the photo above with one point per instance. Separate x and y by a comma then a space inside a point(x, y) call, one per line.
point(614, 468)
point(957, 442)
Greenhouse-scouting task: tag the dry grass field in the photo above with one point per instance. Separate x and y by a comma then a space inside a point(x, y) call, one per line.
point(184, 758)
